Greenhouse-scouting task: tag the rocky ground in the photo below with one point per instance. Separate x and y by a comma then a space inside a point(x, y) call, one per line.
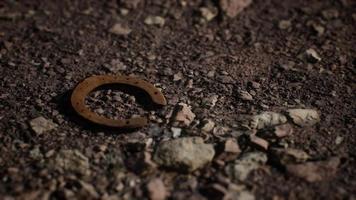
point(261, 99)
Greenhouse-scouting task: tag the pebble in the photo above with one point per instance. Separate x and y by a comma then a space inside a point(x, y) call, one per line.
point(178, 76)
point(207, 14)
point(241, 168)
point(42, 125)
point(70, 161)
point(244, 95)
point(259, 142)
point(115, 66)
point(184, 154)
point(330, 14)
point(284, 24)
point(289, 156)
point(208, 125)
point(183, 115)
point(156, 189)
point(339, 140)
point(233, 7)
point(119, 29)
point(304, 117)
point(231, 146)
point(176, 132)
point(267, 119)
point(210, 101)
point(312, 56)
point(318, 29)
point(283, 130)
point(315, 171)
point(155, 20)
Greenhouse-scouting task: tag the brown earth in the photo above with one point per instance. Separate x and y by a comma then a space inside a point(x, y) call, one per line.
point(47, 47)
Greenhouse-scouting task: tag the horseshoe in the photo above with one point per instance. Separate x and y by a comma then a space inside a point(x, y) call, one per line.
point(86, 86)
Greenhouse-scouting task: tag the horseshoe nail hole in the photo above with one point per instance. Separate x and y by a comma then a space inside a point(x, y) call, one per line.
point(127, 122)
point(136, 82)
point(156, 93)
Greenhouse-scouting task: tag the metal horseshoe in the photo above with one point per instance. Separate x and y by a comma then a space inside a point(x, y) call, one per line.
point(86, 86)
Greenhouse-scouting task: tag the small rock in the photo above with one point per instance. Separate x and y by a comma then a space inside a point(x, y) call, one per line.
point(210, 101)
point(71, 161)
point(330, 14)
point(90, 189)
point(185, 154)
point(339, 140)
point(283, 130)
point(318, 29)
point(289, 156)
point(178, 76)
point(119, 29)
point(244, 95)
point(207, 13)
point(245, 195)
point(155, 20)
point(233, 7)
point(41, 125)
point(241, 168)
point(183, 115)
point(231, 146)
point(259, 142)
point(315, 171)
point(208, 125)
point(176, 132)
point(115, 66)
point(156, 189)
point(312, 56)
point(267, 119)
point(304, 117)
point(230, 151)
point(36, 153)
point(284, 24)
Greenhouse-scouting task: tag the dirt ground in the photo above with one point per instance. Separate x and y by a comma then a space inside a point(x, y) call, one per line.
point(48, 47)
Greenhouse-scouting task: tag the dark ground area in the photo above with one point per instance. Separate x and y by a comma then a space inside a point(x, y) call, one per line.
point(47, 47)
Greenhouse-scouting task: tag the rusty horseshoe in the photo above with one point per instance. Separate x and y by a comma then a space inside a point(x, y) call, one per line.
point(86, 86)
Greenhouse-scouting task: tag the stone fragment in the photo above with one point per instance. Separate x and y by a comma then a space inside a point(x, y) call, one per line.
point(231, 146)
point(330, 14)
point(184, 154)
point(233, 7)
point(115, 66)
point(183, 115)
point(176, 132)
point(289, 156)
point(304, 117)
point(155, 20)
point(207, 13)
point(246, 96)
point(315, 171)
point(241, 168)
point(259, 142)
point(70, 161)
point(119, 29)
point(318, 29)
point(178, 76)
point(208, 125)
point(284, 24)
point(283, 130)
point(267, 119)
point(89, 189)
point(210, 101)
point(41, 125)
point(312, 56)
point(156, 189)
